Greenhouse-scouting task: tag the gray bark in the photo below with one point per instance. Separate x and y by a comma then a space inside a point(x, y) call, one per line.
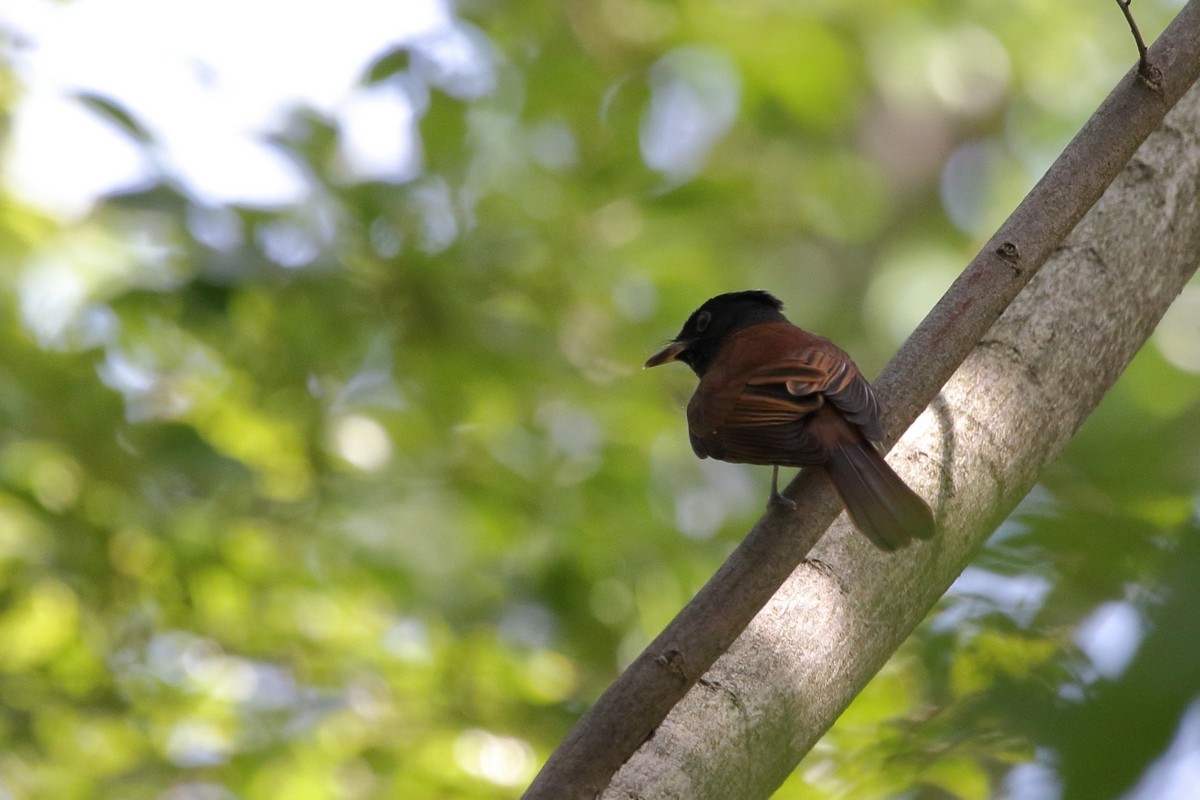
point(976, 451)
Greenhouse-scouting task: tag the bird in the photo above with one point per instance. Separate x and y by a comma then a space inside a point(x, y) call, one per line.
point(771, 393)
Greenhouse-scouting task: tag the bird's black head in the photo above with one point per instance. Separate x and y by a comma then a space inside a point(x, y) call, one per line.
point(709, 325)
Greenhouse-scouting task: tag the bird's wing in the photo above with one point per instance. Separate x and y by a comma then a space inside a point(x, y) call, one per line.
point(778, 392)
point(804, 381)
point(845, 388)
point(768, 421)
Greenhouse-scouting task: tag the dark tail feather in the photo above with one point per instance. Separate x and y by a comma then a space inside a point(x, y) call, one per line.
point(880, 503)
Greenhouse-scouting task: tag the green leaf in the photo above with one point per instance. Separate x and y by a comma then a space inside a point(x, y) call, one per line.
point(117, 114)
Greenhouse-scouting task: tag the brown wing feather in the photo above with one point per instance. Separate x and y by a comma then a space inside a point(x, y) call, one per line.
point(849, 392)
point(789, 445)
point(761, 413)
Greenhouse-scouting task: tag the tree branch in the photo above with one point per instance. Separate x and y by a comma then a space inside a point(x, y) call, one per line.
point(1009, 410)
point(630, 711)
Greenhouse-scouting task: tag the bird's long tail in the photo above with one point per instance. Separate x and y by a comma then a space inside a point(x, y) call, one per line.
point(880, 503)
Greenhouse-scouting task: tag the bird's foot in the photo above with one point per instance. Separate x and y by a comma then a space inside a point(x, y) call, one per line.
point(776, 498)
point(779, 501)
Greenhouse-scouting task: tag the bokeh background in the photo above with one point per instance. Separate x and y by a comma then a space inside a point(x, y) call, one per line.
point(327, 465)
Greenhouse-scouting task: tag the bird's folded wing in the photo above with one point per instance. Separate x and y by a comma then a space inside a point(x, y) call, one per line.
point(768, 420)
point(778, 393)
point(811, 375)
point(784, 390)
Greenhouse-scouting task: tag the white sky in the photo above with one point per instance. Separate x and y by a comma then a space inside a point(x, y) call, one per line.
point(208, 79)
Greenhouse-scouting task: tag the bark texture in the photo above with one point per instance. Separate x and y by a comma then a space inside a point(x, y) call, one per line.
point(976, 451)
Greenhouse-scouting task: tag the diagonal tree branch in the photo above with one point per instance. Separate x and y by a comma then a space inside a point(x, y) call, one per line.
point(630, 711)
point(1013, 405)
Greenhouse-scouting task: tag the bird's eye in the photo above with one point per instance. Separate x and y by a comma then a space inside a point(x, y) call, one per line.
point(702, 320)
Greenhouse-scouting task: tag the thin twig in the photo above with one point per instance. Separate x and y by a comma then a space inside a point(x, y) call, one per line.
point(1151, 74)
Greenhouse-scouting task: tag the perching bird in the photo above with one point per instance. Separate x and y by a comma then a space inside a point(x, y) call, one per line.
point(772, 393)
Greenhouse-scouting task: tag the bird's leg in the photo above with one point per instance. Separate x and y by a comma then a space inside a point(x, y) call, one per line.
point(776, 498)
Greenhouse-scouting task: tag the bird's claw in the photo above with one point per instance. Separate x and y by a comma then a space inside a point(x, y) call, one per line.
point(776, 498)
point(779, 501)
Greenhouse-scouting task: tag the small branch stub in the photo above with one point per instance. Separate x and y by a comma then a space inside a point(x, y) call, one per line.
point(1008, 251)
point(1010, 255)
point(671, 661)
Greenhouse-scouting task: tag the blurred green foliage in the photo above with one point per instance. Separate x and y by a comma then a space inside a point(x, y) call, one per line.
point(367, 496)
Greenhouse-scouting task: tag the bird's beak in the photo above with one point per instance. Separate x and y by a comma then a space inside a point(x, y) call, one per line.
point(669, 353)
